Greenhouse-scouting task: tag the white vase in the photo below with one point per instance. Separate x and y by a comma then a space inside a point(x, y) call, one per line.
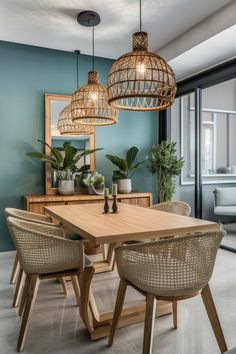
point(124, 185)
point(66, 187)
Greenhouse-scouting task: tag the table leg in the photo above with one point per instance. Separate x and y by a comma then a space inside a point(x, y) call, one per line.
point(99, 325)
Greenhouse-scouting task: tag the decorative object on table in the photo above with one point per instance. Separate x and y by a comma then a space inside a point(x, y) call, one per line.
point(126, 169)
point(95, 183)
point(106, 204)
point(141, 80)
point(164, 162)
point(64, 166)
point(65, 124)
point(114, 194)
point(89, 104)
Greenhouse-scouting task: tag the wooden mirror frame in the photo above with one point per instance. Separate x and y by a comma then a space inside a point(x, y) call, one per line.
point(92, 140)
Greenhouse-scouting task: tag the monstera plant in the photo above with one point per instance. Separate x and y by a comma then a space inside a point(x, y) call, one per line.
point(127, 168)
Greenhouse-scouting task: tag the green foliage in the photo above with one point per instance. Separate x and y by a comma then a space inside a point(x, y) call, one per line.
point(65, 166)
point(126, 166)
point(163, 161)
point(94, 180)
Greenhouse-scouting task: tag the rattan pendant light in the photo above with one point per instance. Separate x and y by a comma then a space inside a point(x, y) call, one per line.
point(141, 80)
point(89, 104)
point(65, 124)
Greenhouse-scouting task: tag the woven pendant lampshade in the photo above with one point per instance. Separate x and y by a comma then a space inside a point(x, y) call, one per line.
point(66, 126)
point(89, 104)
point(140, 80)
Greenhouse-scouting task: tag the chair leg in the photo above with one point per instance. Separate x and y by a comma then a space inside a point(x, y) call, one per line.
point(24, 295)
point(149, 323)
point(75, 284)
point(63, 285)
point(15, 270)
point(19, 287)
point(213, 317)
point(30, 300)
point(118, 308)
point(175, 313)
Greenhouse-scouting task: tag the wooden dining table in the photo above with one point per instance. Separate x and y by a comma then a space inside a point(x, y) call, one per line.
point(131, 223)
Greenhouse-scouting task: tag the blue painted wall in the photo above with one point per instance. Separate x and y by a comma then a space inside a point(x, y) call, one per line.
point(26, 73)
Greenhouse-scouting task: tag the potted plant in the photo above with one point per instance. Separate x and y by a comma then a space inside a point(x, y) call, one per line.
point(126, 169)
point(163, 161)
point(95, 183)
point(65, 167)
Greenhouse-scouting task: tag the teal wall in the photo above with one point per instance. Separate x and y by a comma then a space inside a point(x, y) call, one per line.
point(26, 73)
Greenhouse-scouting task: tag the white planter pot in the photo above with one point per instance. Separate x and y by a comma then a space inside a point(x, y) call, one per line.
point(124, 185)
point(66, 187)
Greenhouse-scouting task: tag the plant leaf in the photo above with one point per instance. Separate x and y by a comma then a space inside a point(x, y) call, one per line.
point(121, 163)
point(118, 175)
point(131, 155)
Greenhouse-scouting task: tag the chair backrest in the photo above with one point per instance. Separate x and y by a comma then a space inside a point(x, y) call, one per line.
point(225, 196)
point(42, 248)
point(175, 207)
point(27, 215)
point(173, 267)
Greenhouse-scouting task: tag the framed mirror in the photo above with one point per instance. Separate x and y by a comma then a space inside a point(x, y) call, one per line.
point(53, 106)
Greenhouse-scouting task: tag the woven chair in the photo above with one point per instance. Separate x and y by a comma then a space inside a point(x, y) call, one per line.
point(175, 207)
point(43, 253)
point(16, 270)
point(170, 270)
point(25, 215)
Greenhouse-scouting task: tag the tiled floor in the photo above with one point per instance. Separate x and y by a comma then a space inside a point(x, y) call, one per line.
point(56, 327)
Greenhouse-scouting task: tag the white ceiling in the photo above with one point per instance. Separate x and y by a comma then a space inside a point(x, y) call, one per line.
point(52, 23)
point(213, 51)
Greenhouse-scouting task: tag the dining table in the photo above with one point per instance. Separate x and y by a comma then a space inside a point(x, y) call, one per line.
point(130, 223)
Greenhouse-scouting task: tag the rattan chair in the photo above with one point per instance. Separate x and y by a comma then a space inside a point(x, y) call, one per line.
point(43, 253)
point(175, 207)
point(34, 217)
point(170, 270)
point(24, 215)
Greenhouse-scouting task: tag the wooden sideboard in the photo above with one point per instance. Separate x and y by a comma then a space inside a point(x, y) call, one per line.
point(36, 203)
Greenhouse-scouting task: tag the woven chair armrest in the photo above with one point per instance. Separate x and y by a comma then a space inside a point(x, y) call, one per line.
point(49, 254)
point(44, 228)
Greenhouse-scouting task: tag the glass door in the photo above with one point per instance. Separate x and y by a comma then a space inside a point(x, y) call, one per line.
point(183, 133)
point(218, 142)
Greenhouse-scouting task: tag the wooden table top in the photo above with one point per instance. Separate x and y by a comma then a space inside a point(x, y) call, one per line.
point(131, 223)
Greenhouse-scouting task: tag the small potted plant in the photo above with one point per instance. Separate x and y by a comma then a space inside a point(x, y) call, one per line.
point(126, 169)
point(164, 162)
point(95, 183)
point(64, 167)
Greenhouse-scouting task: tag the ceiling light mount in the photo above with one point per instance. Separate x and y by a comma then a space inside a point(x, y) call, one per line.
point(88, 18)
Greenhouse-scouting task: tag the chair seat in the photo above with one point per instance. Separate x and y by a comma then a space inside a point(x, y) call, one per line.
point(225, 210)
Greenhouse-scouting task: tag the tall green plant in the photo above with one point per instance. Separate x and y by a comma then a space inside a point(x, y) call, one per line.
point(126, 165)
point(67, 163)
point(164, 162)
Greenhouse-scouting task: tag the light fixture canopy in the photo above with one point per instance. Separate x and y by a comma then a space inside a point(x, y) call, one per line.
point(141, 80)
point(89, 103)
point(66, 126)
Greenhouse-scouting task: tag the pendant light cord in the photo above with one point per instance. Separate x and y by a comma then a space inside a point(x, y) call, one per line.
point(77, 69)
point(93, 45)
point(140, 15)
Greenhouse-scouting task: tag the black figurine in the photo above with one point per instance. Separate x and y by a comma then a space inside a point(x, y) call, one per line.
point(106, 206)
point(114, 205)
